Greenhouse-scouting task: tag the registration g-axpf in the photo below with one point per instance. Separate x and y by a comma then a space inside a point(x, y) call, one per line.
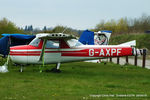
point(104, 52)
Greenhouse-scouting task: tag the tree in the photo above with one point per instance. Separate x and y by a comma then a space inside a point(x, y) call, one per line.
point(26, 28)
point(58, 29)
point(7, 26)
point(44, 29)
point(122, 26)
point(100, 26)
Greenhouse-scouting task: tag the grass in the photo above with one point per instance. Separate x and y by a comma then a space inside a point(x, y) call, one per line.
point(77, 81)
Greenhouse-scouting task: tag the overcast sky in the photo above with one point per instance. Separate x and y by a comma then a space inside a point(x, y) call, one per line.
point(77, 14)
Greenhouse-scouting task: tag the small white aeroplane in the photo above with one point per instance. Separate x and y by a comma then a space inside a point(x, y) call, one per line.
point(59, 48)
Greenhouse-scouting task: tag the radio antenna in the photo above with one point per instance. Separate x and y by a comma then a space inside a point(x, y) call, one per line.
point(64, 30)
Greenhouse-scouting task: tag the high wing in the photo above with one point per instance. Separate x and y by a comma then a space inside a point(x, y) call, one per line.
point(45, 37)
point(55, 36)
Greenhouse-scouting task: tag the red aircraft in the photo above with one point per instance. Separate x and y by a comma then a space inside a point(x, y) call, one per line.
point(58, 48)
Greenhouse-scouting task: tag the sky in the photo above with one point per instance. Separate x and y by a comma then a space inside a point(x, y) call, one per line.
point(77, 14)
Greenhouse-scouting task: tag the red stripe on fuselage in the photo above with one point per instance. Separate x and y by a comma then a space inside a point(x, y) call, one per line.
point(102, 52)
point(37, 53)
point(90, 52)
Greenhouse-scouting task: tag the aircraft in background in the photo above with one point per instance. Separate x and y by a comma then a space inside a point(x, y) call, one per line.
point(102, 37)
point(95, 38)
point(57, 48)
point(9, 40)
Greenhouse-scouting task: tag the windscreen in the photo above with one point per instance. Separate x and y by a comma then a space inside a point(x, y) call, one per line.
point(35, 42)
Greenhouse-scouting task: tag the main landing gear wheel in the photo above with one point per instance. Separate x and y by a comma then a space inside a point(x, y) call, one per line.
point(56, 70)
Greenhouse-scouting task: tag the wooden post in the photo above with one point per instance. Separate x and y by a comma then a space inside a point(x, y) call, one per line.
point(135, 60)
point(127, 60)
point(110, 59)
point(118, 60)
point(144, 58)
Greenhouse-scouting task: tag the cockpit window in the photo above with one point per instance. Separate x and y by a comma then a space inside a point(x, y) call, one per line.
point(35, 42)
point(74, 42)
point(52, 44)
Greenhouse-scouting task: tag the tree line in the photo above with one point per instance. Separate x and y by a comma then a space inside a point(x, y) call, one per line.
point(126, 25)
point(7, 26)
point(121, 26)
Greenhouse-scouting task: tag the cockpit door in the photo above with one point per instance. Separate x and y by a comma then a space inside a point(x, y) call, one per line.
point(52, 51)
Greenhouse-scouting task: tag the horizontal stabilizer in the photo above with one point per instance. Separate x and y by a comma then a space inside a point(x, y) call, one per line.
point(130, 43)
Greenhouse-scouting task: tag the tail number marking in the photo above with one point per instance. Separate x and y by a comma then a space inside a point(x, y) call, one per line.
point(91, 52)
point(105, 52)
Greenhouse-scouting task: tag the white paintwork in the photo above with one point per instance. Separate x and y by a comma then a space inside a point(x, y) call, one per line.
point(70, 59)
point(99, 46)
point(130, 43)
point(48, 58)
point(19, 59)
point(52, 57)
point(52, 35)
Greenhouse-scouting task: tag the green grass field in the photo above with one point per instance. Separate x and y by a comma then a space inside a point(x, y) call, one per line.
point(77, 81)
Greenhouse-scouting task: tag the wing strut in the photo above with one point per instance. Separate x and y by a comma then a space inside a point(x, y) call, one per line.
point(42, 53)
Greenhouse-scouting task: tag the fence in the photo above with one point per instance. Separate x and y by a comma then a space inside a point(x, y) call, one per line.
point(135, 59)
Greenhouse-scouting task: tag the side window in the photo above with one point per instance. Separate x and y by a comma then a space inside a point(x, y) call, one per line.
point(52, 44)
point(74, 42)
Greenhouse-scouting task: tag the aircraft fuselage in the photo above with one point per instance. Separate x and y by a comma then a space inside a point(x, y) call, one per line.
point(28, 54)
